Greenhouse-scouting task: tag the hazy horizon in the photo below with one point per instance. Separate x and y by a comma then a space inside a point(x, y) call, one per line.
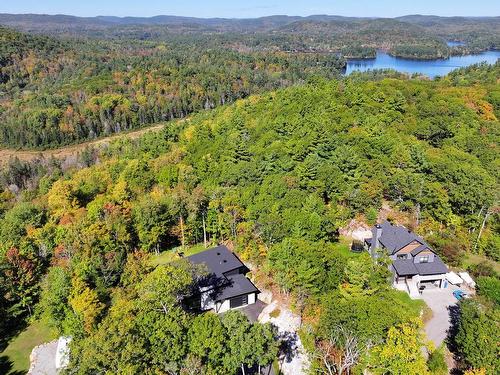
point(254, 8)
point(241, 18)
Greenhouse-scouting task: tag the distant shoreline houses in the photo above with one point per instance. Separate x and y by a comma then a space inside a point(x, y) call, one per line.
point(415, 266)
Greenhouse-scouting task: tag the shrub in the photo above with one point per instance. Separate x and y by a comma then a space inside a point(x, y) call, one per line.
point(484, 268)
point(436, 362)
point(275, 313)
point(489, 287)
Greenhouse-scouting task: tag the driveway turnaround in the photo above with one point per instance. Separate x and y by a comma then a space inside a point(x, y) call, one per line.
point(439, 301)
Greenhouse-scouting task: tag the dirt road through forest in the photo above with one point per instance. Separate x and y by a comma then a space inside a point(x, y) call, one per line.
point(63, 152)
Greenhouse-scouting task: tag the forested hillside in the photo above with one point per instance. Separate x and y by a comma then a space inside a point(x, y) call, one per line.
point(56, 92)
point(422, 37)
point(97, 76)
point(275, 176)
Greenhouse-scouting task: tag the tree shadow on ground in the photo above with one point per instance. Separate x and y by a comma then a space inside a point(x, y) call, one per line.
point(288, 347)
point(8, 331)
point(454, 312)
point(6, 367)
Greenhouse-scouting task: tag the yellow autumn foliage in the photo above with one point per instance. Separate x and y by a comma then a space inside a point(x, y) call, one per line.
point(85, 303)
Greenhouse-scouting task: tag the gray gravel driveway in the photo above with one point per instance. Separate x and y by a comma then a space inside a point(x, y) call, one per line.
point(439, 301)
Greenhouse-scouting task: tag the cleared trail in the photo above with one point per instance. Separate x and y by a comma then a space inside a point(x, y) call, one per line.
point(63, 152)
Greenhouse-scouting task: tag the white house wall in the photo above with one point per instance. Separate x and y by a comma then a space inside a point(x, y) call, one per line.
point(225, 305)
point(419, 278)
point(251, 298)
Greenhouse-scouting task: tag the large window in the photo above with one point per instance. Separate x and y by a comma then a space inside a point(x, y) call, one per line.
point(401, 256)
point(424, 259)
point(238, 301)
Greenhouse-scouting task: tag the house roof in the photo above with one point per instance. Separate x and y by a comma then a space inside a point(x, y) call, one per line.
point(419, 249)
point(435, 267)
point(406, 267)
point(218, 260)
point(237, 286)
point(395, 237)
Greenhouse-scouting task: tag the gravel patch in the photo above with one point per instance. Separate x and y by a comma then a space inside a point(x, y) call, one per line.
point(42, 359)
point(294, 360)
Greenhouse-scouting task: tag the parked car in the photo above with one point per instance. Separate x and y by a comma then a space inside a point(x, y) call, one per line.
point(460, 294)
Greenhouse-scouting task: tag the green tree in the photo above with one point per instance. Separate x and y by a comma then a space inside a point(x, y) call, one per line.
point(478, 335)
point(165, 336)
point(489, 287)
point(153, 221)
point(401, 354)
point(56, 289)
point(239, 342)
point(16, 222)
point(207, 336)
point(116, 346)
point(437, 363)
point(166, 286)
point(19, 275)
point(85, 304)
point(264, 345)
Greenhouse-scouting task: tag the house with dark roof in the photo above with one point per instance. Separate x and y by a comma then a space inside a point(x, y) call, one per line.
point(225, 287)
point(415, 266)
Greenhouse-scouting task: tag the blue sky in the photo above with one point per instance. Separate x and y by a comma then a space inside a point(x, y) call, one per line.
point(253, 8)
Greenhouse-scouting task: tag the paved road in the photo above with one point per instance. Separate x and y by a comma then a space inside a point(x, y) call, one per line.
point(439, 301)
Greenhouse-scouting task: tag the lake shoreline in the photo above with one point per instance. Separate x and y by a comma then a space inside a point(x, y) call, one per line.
point(432, 67)
point(420, 59)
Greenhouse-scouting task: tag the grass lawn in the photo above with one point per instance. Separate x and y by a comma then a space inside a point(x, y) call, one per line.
point(476, 259)
point(344, 247)
point(172, 254)
point(19, 349)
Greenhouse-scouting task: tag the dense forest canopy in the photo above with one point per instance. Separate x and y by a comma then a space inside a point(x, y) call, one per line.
point(97, 76)
point(59, 92)
point(423, 36)
point(276, 152)
point(275, 175)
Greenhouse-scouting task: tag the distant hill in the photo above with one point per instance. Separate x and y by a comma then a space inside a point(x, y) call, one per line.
point(432, 20)
point(312, 33)
point(250, 23)
point(53, 22)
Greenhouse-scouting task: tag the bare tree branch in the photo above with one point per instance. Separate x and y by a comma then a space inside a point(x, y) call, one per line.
point(339, 353)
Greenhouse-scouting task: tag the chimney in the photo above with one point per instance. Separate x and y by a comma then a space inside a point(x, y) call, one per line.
point(378, 233)
point(376, 240)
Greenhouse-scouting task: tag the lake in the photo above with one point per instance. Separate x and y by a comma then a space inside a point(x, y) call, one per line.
point(452, 43)
point(430, 68)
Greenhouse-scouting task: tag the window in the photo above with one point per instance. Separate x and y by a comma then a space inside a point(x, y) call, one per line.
point(424, 259)
point(238, 301)
point(401, 256)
